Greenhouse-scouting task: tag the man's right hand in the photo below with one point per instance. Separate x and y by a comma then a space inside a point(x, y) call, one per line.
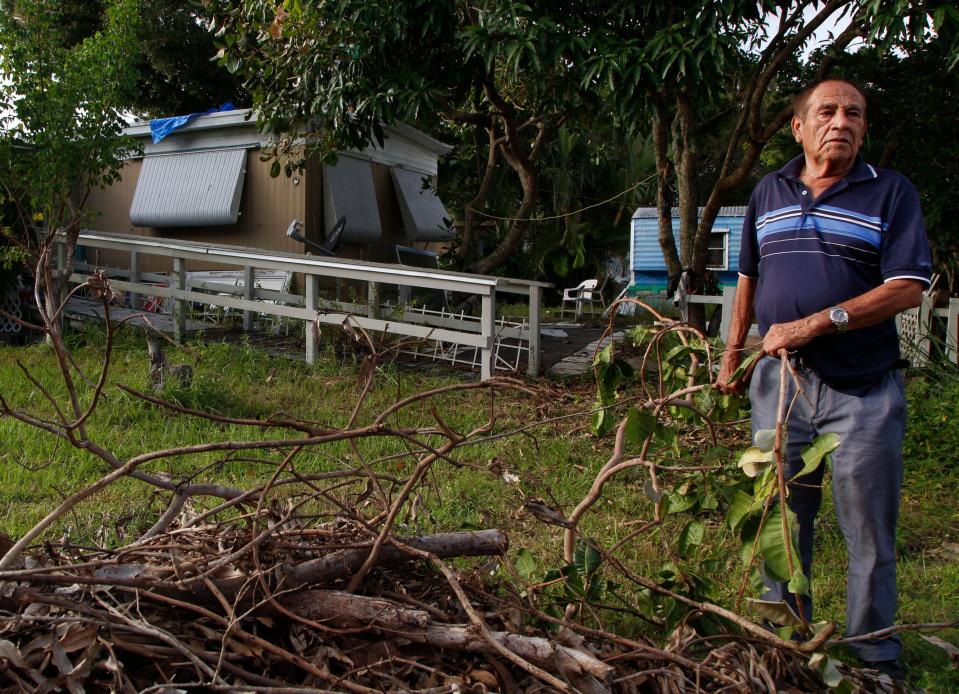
point(727, 367)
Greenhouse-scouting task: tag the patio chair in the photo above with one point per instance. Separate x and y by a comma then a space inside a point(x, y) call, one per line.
point(585, 293)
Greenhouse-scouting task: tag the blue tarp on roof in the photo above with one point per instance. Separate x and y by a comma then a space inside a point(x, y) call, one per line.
point(161, 127)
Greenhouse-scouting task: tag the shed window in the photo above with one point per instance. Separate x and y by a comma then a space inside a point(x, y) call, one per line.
point(424, 216)
point(189, 189)
point(718, 258)
point(348, 191)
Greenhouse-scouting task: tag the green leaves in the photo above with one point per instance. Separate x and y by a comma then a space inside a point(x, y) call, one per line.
point(798, 584)
point(691, 537)
point(781, 564)
point(610, 373)
point(765, 439)
point(581, 578)
point(639, 425)
point(586, 558)
point(781, 558)
point(759, 457)
point(740, 506)
point(754, 460)
point(745, 365)
point(815, 452)
point(829, 672)
point(776, 612)
point(67, 98)
point(525, 564)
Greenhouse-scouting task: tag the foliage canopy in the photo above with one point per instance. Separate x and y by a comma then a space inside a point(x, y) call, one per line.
point(63, 103)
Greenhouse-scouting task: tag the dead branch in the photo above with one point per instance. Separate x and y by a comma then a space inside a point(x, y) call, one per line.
point(539, 651)
point(345, 563)
point(487, 638)
point(341, 609)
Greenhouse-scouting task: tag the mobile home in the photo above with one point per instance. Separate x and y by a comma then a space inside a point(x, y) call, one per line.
point(209, 181)
point(648, 268)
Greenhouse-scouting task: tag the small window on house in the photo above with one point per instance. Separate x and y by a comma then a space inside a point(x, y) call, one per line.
point(718, 250)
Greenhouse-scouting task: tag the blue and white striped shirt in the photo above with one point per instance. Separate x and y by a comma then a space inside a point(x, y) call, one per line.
point(808, 255)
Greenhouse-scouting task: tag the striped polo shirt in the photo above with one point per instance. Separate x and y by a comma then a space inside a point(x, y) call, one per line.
point(809, 255)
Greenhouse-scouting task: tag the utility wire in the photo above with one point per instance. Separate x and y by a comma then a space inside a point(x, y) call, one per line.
point(567, 214)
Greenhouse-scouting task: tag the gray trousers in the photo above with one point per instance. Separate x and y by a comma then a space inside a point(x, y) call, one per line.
point(866, 481)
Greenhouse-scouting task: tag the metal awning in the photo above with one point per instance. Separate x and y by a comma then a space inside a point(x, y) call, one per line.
point(422, 210)
point(189, 189)
point(348, 192)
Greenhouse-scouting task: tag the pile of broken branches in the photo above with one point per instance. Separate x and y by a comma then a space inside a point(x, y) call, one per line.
point(260, 603)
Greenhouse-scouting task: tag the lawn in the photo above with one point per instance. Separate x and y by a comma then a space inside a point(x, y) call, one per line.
point(484, 485)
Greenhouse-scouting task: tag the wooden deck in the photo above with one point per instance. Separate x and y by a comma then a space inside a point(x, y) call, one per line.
point(92, 311)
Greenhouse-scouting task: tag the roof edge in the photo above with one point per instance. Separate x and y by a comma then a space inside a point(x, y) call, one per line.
point(241, 117)
point(246, 118)
point(725, 211)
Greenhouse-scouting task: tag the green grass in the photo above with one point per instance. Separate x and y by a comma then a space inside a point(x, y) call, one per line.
point(555, 462)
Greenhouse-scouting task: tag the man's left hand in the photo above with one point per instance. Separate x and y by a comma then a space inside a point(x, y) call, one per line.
point(789, 336)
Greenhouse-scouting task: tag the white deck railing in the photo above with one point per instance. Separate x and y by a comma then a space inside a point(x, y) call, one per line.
point(479, 334)
point(916, 326)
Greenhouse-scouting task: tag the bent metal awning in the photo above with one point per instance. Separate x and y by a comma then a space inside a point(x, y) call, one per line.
point(422, 210)
point(348, 191)
point(189, 189)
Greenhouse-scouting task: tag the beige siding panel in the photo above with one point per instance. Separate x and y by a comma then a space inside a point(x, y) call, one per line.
point(112, 205)
point(271, 204)
point(110, 211)
point(267, 207)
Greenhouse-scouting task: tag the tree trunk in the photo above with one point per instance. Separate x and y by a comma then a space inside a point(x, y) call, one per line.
point(664, 203)
point(529, 180)
point(692, 249)
point(479, 200)
point(514, 151)
point(685, 157)
point(344, 611)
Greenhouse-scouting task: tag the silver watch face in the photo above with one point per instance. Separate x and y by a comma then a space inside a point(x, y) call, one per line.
point(839, 317)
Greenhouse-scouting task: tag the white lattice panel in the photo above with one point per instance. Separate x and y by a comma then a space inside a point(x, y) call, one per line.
point(10, 303)
point(911, 336)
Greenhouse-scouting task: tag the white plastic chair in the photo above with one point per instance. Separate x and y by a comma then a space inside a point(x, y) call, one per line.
point(583, 294)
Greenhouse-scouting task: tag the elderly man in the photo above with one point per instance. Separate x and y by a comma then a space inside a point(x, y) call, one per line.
point(832, 250)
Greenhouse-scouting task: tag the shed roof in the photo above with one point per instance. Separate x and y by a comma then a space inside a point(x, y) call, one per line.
point(653, 213)
point(245, 119)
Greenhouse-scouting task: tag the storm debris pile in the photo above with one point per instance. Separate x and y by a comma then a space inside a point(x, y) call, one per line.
point(259, 603)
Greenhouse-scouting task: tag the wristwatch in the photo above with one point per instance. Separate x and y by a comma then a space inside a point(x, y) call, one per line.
point(839, 318)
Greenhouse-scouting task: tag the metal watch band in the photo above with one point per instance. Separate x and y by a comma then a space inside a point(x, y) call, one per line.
point(839, 318)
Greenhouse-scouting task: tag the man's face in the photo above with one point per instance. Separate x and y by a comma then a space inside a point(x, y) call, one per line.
point(832, 127)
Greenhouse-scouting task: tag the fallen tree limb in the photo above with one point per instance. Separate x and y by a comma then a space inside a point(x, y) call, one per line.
point(341, 609)
point(539, 651)
point(445, 545)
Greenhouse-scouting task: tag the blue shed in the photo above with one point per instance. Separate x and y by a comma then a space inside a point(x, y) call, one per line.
point(646, 257)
